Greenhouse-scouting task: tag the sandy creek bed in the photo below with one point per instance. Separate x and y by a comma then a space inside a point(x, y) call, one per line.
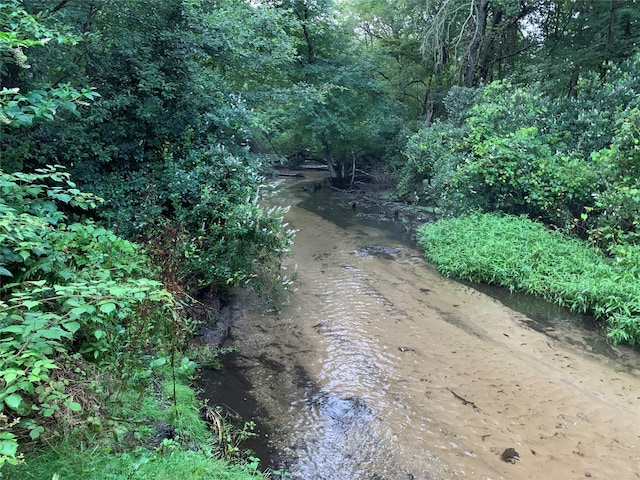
point(382, 369)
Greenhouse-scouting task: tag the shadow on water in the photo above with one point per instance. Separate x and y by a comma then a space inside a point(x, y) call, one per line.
point(230, 389)
point(345, 210)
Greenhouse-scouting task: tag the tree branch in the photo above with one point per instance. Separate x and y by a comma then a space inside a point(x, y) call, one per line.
point(59, 6)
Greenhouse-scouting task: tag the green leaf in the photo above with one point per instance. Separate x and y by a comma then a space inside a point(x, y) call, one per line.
point(73, 327)
point(35, 432)
point(30, 304)
point(107, 308)
point(54, 333)
point(5, 272)
point(64, 197)
point(10, 374)
point(13, 401)
point(49, 410)
point(117, 291)
point(158, 362)
point(81, 310)
point(8, 445)
point(74, 407)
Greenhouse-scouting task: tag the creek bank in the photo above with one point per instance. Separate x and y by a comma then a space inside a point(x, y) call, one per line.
point(225, 388)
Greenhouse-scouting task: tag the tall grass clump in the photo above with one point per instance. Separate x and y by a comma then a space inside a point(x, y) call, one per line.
point(519, 254)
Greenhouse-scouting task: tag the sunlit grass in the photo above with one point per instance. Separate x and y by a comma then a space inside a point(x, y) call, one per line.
point(519, 254)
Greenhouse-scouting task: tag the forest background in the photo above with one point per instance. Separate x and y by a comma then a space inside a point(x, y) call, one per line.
point(133, 136)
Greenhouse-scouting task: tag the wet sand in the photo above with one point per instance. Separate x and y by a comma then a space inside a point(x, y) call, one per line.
point(381, 368)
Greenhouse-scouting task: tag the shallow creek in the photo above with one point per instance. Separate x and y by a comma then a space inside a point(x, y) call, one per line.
point(380, 368)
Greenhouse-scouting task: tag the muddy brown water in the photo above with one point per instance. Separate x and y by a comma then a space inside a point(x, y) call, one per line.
point(380, 368)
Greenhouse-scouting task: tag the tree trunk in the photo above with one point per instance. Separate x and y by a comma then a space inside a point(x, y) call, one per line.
point(469, 72)
point(488, 55)
point(333, 172)
point(573, 83)
point(303, 18)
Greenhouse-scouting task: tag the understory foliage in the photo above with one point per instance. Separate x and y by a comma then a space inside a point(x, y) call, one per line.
point(92, 349)
point(201, 218)
point(517, 253)
point(92, 323)
point(162, 142)
point(74, 297)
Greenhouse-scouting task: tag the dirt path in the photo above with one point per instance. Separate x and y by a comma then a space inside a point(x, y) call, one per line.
point(381, 368)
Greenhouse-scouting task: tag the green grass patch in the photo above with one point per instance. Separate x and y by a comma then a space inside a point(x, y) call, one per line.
point(152, 432)
point(167, 462)
point(520, 254)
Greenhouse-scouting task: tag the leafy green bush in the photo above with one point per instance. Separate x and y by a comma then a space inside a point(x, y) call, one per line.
point(432, 160)
point(614, 217)
point(85, 327)
point(570, 162)
point(71, 293)
point(502, 158)
point(516, 164)
point(200, 217)
point(519, 254)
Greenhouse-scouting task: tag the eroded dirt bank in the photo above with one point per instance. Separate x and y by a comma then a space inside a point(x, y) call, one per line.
point(382, 369)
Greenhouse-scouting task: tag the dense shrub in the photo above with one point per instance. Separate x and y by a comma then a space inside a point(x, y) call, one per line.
point(71, 293)
point(432, 160)
point(614, 216)
point(571, 162)
point(200, 216)
point(503, 158)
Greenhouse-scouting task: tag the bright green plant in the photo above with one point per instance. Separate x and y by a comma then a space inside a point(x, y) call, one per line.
point(514, 165)
point(519, 254)
point(68, 289)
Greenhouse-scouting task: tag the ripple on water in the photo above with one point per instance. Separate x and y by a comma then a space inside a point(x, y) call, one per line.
point(338, 430)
